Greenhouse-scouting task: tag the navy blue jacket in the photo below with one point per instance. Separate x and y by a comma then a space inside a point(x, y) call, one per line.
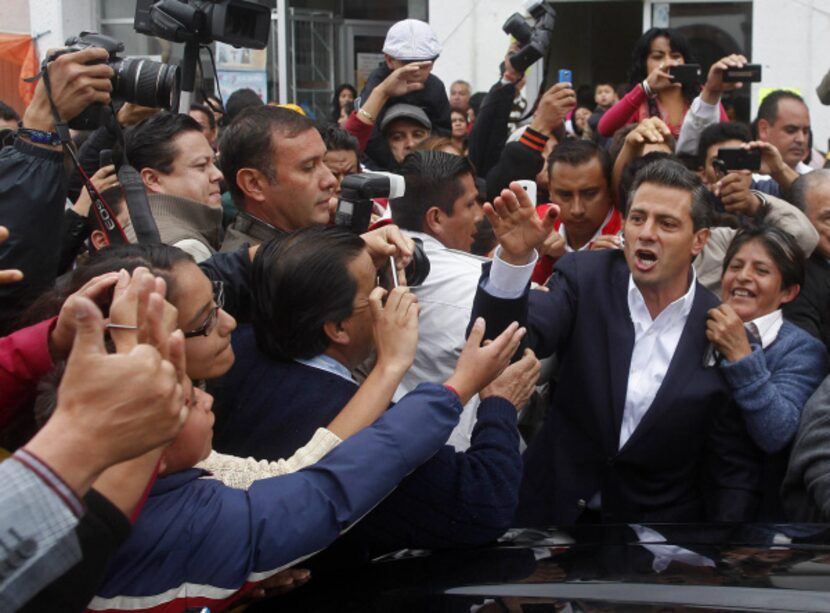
point(689, 460)
point(453, 499)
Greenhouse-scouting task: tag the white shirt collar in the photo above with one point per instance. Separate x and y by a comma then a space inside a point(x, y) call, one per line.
point(639, 311)
point(564, 233)
point(802, 168)
point(328, 364)
point(768, 326)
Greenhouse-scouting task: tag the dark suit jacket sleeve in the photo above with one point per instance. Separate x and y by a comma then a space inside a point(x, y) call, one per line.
point(547, 315)
point(733, 470)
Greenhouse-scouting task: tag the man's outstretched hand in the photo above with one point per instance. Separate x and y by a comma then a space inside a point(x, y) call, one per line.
point(517, 225)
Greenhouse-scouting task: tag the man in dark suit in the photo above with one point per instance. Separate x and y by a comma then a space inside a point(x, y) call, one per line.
point(639, 429)
point(811, 309)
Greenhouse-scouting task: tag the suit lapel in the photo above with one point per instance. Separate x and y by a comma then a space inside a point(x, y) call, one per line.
point(686, 359)
point(621, 346)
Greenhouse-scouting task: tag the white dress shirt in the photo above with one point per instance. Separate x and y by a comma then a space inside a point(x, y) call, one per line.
point(446, 302)
point(655, 341)
point(767, 327)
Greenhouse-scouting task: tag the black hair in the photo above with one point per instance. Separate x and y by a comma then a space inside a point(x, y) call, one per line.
point(768, 109)
point(250, 142)
point(618, 140)
point(720, 133)
point(335, 101)
point(475, 101)
point(671, 173)
point(338, 139)
point(237, 102)
point(301, 280)
point(575, 152)
point(637, 70)
point(150, 142)
point(207, 112)
point(8, 113)
point(433, 178)
point(781, 247)
point(158, 258)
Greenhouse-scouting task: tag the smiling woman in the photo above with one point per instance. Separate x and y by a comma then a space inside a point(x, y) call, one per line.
point(772, 366)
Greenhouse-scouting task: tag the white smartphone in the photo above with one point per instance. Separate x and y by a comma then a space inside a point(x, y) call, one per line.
point(530, 188)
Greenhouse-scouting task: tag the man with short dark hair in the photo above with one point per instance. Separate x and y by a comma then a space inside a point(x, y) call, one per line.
point(579, 182)
point(175, 161)
point(784, 121)
point(273, 161)
point(639, 429)
point(440, 208)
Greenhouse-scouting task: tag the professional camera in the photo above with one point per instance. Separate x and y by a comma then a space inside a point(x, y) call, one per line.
point(534, 40)
point(354, 211)
point(237, 22)
point(136, 80)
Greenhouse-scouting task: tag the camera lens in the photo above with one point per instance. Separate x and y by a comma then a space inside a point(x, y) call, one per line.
point(145, 82)
point(518, 28)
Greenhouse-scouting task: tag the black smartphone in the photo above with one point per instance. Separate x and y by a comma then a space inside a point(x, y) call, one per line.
point(739, 159)
point(686, 74)
point(750, 73)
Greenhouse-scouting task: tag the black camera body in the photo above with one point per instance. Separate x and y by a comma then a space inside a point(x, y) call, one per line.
point(137, 80)
point(354, 211)
point(534, 40)
point(241, 23)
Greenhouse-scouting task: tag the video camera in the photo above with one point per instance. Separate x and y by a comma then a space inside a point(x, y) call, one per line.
point(136, 79)
point(237, 22)
point(354, 211)
point(534, 40)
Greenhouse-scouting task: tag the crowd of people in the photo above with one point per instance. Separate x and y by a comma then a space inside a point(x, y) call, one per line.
point(615, 326)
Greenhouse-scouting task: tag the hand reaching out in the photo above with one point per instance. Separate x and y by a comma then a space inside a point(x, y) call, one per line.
point(395, 327)
point(516, 224)
point(11, 275)
point(517, 382)
point(478, 365)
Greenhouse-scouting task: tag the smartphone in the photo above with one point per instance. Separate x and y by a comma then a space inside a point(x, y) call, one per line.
point(530, 188)
point(687, 74)
point(565, 76)
point(750, 73)
point(739, 159)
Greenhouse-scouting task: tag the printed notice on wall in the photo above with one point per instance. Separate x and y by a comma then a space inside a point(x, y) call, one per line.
point(366, 63)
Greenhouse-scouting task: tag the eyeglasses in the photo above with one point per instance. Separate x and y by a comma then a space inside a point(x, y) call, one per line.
point(210, 321)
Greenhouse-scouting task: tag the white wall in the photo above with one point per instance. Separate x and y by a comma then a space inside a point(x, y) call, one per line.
point(14, 16)
point(791, 39)
point(474, 43)
point(61, 19)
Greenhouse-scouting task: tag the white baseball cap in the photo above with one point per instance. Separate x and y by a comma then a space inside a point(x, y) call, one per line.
point(411, 40)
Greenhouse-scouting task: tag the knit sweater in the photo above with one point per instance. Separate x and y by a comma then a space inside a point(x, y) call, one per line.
point(771, 387)
point(181, 222)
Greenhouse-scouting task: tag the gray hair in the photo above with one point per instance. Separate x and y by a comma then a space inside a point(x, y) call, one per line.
point(804, 184)
point(670, 173)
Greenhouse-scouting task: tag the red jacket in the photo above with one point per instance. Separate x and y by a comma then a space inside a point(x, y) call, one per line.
point(544, 266)
point(24, 359)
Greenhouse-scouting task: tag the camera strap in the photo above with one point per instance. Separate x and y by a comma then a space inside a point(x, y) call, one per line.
point(104, 214)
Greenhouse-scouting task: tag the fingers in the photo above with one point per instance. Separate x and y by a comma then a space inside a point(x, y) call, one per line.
point(376, 302)
point(476, 333)
point(11, 275)
point(4, 234)
point(95, 288)
point(549, 220)
point(89, 328)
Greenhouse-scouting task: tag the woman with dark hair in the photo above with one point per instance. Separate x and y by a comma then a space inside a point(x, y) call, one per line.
point(344, 95)
point(654, 93)
point(772, 365)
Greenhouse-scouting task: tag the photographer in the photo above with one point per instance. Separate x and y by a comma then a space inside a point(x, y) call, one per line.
point(32, 178)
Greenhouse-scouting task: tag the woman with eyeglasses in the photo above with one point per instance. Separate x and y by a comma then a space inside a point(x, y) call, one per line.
point(772, 365)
